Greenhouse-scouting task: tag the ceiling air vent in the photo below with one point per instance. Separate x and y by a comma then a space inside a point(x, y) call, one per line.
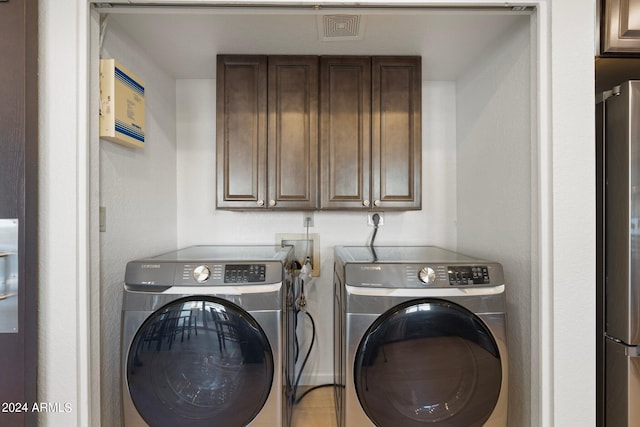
point(341, 27)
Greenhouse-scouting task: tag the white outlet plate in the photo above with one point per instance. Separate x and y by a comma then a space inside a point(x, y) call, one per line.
point(309, 215)
point(103, 219)
point(370, 218)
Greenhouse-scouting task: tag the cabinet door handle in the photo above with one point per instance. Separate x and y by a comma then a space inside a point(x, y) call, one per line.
point(365, 203)
point(272, 202)
point(376, 203)
point(260, 203)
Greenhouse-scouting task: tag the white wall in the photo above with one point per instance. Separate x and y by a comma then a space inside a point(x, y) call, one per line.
point(138, 189)
point(572, 307)
point(496, 150)
point(200, 223)
point(62, 374)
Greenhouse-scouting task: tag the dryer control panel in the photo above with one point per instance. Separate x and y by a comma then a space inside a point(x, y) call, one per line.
point(459, 275)
point(469, 275)
point(424, 275)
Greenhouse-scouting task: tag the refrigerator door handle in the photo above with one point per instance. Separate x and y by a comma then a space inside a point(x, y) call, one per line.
point(629, 350)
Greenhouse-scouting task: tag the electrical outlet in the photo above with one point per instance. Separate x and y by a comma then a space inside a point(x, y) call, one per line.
point(307, 219)
point(102, 223)
point(370, 218)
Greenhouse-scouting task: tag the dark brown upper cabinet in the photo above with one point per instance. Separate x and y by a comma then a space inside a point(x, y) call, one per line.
point(345, 132)
point(370, 113)
point(293, 132)
point(283, 121)
point(396, 132)
point(620, 27)
point(241, 128)
point(267, 132)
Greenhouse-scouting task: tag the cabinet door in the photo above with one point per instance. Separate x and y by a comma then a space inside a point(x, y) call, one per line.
point(241, 127)
point(293, 132)
point(345, 132)
point(396, 132)
point(621, 26)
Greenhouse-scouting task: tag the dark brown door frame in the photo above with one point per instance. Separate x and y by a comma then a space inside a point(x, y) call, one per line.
point(19, 199)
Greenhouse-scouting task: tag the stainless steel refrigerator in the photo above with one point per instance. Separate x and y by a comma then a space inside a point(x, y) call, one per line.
point(621, 292)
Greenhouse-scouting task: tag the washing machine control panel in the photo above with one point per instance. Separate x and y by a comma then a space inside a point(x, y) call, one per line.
point(244, 273)
point(220, 274)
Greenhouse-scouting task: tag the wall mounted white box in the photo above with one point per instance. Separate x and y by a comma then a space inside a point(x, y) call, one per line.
point(121, 105)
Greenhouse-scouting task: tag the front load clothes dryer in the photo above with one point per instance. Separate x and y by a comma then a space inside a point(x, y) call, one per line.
point(204, 336)
point(419, 338)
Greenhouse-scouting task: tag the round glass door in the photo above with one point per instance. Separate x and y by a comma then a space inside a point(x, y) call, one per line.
point(199, 361)
point(428, 362)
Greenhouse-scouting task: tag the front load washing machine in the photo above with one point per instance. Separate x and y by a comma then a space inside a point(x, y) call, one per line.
point(204, 338)
point(419, 338)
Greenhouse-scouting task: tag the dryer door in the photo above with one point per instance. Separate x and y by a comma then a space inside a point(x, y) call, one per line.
point(199, 361)
point(428, 362)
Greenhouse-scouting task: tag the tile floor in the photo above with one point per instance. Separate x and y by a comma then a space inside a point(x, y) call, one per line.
point(316, 409)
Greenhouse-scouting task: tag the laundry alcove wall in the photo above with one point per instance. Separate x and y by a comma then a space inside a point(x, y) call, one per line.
point(478, 162)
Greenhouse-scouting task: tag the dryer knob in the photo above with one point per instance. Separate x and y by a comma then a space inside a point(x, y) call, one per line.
point(427, 275)
point(201, 273)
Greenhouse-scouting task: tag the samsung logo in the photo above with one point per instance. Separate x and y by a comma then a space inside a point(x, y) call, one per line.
point(373, 267)
point(150, 266)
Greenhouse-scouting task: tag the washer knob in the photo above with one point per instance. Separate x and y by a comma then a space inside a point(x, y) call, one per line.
point(427, 275)
point(201, 273)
